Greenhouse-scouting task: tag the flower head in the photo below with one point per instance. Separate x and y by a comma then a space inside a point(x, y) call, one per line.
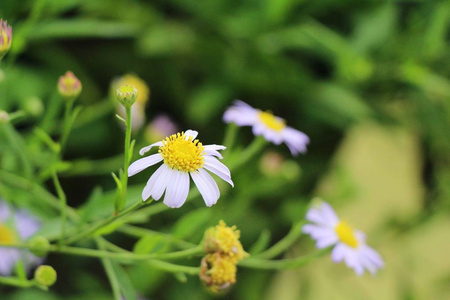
point(5, 38)
point(69, 87)
point(272, 128)
point(225, 240)
point(182, 155)
point(127, 94)
point(15, 228)
point(218, 271)
point(138, 108)
point(349, 244)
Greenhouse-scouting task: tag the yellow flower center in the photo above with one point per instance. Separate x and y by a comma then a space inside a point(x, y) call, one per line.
point(218, 271)
point(346, 234)
point(182, 154)
point(7, 236)
point(271, 121)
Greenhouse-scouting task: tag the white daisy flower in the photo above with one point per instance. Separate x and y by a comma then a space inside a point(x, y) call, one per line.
point(16, 228)
point(272, 128)
point(350, 245)
point(182, 155)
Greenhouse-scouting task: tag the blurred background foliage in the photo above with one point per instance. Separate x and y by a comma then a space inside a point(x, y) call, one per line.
point(368, 81)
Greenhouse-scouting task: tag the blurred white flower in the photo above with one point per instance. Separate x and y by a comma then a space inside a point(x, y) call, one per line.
point(272, 128)
point(182, 155)
point(16, 227)
point(349, 244)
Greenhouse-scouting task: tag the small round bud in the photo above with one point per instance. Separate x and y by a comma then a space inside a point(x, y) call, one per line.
point(127, 95)
point(33, 106)
point(4, 117)
point(39, 246)
point(5, 38)
point(45, 275)
point(69, 87)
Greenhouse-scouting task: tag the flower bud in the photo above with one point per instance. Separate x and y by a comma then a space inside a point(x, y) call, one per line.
point(33, 106)
point(69, 87)
point(127, 94)
point(39, 246)
point(4, 117)
point(218, 272)
point(5, 38)
point(45, 275)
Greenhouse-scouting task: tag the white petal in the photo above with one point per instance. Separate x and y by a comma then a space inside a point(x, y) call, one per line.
point(8, 259)
point(218, 168)
point(213, 153)
point(326, 241)
point(146, 193)
point(315, 215)
point(214, 147)
point(338, 253)
point(144, 163)
point(373, 256)
point(207, 186)
point(241, 113)
point(191, 134)
point(295, 140)
point(162, 181)
point(146, 149)
point(329, 213)
point(177, 190)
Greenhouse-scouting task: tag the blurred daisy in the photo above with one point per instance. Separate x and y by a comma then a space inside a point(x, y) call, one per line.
point(349, 244)
point(272, 128)
point(138, 108)
point(182, 155)
point(16, 228)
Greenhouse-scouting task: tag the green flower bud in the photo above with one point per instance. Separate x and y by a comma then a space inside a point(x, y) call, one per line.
point(127, 95)
point(45, 275)
point(33, 106)
point(39, 246)
point(4, 117)
point(69, 87)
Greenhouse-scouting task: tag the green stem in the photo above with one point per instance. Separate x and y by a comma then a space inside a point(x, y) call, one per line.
point(63, 200)
point(140, 232)
point(126, 162)
point(110, 272)
point(283, 244)
point(67, 124)
point(16, 282)
point(230, 136)
point(18, 145)
point(283, 264)
point(254, 148)
point(104, 223)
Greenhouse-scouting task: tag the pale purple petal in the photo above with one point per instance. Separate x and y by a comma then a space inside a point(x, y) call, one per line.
point(206, 186)
point(26, 224)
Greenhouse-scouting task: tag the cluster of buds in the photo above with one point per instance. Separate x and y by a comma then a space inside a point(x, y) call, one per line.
point(5, 38)
point(224, 251)
point(69, 87)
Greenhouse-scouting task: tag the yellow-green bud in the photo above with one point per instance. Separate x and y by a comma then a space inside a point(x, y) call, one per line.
point(69, 87)
point(4, 117)
point(33, 106)
point(45, 275)
point(5, 38)
point(127, 95)
point(39, 246)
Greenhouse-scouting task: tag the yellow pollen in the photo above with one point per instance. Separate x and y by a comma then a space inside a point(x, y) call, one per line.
point(271, 121)
point(7, 236)
point(181, 153)
point(346, 234)
point(218, 271)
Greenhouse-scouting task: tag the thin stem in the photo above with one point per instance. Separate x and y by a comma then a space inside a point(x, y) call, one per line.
point(104, 223)
point(63, 200)
point(283, 244)
point(283, 264)
point(18, 145)
point(140, 232)
point(230, 136)
point(256, 146)
point(16, 282)
point(67, 124)
point(126, 161)
point(110, 272)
